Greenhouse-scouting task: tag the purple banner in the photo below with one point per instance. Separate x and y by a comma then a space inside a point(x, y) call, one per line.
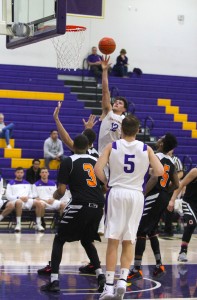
point(85, 7)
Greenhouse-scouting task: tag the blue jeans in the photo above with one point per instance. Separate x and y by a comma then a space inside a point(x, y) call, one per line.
point(6, 132)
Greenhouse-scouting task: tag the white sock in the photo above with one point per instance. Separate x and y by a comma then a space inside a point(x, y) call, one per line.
point(38, 220)
point(124, 273)
point(1, 217)
point(18, 220)
point(54, 276)
point(98, 272)
point(110, 277)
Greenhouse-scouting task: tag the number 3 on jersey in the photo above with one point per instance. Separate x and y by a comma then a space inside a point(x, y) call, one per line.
point(165, 176)
point(92, 182)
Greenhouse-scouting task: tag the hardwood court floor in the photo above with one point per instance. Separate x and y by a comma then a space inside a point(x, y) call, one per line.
point(22, 254)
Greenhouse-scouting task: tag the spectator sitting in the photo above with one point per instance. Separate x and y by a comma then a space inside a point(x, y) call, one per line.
point(53, 148)
point(6, 206)
point(94, 61)
point(33, 173)
point(43, 191)
point(121, 66)
point(19, 192)
point(6, 130)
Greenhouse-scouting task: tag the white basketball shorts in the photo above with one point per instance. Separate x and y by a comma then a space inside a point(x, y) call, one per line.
point(124, 210)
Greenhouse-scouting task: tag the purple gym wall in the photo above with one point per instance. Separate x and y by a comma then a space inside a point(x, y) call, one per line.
point(85, 7)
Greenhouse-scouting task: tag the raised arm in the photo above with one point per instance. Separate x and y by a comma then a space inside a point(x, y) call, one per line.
point(64, 135)
point(101, 163)
point(106, 101)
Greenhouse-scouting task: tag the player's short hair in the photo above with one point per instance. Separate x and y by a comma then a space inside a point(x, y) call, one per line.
point(169, 142)
point(130, 125)
point(81, 142)
point(53, 131)
point(124, 100)
point(44, 168)
point(1, 115)
point(90, 134)
point(34, 160)
point(19, 169)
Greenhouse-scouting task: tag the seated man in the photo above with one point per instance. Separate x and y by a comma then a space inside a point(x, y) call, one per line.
point(43, 191)
point(33, 173)
point(6, 130)
point(19, 191)
point(6, 206)
point(53, 148)
point(121, 66)
point(94, 61)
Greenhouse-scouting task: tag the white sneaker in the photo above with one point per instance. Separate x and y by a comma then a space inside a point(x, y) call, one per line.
point(9, 146)
point(39, 228)
point(108, 292)
point(182, 257)
point(121, 287)
point(17, 228)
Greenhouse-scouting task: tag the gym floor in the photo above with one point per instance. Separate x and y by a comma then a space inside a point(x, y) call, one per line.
point(22, 254)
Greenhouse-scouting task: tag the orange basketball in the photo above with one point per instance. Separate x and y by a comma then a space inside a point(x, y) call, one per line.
point(107, 45)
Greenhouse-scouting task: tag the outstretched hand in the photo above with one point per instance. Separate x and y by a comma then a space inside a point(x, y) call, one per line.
point(105, 62)
point(56, 111)
point(90, 122)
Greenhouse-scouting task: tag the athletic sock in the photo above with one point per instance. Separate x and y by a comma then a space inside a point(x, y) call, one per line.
point(184, 248)
point(110, 277)
point(54, 276)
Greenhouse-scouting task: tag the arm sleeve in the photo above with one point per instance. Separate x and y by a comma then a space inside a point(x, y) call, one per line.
point(64, 171)
point(34, 191)
point(61, 150)
point(46, 150)
point(9, 194)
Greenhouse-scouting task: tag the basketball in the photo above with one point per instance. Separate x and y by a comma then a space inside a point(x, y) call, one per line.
point(107, 45)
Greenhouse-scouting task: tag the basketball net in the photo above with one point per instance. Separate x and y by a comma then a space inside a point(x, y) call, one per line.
point(68, 47)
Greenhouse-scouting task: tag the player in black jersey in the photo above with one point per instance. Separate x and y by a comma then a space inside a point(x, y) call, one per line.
point(189, 207)
point(157, 196)
point(82, 216)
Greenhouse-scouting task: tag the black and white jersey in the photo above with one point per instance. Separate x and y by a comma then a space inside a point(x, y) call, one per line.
point(93, 152)
point(78, 172)
point(190, 195)
point(169, 169)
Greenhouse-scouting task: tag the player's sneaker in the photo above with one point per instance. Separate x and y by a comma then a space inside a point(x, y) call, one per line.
point(101, 282)
point(88, 269)
point(108, 292)
point(182, 257)
point(46, 270)
point(159, 271)
point(39, 228)
point(51, 287)
point(121, 287)
point(17, 228)
point(134, 275)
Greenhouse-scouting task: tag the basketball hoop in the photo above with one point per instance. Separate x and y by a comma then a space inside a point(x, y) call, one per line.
point(68, 47)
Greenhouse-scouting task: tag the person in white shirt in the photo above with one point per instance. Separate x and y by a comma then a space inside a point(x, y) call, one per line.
point(53, 148)
point(6, 206)
point(19, 190)
point(128, 161)
point(43, 191)
point(112, 115)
